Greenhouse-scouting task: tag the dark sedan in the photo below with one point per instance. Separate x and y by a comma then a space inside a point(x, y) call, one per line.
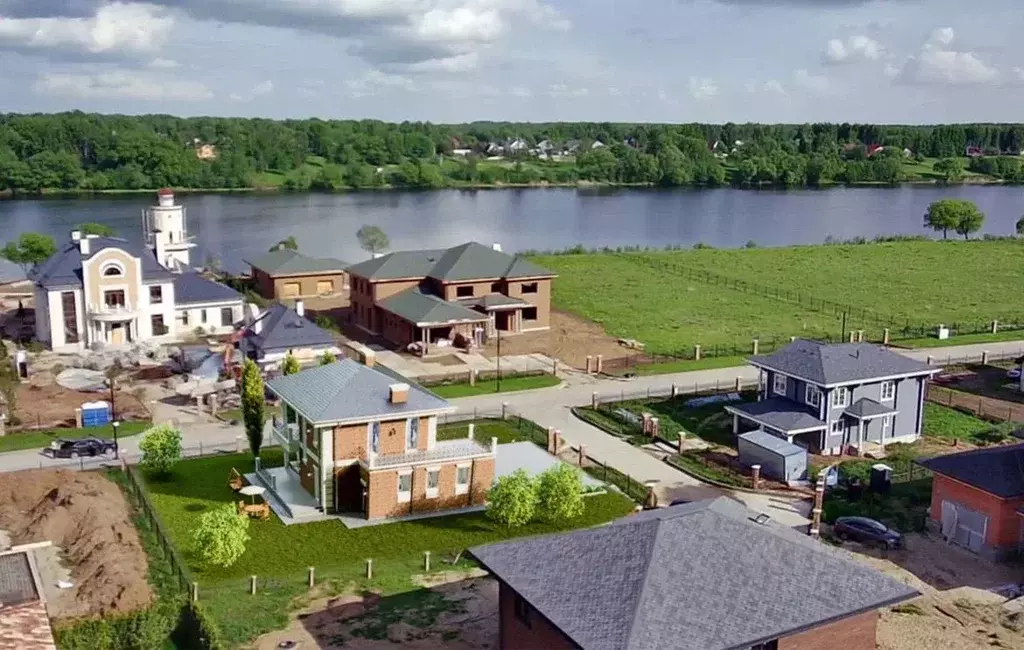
point(79, 448)
point(867, 531)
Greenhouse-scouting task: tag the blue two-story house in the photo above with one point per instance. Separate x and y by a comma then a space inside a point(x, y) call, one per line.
point(830, 397)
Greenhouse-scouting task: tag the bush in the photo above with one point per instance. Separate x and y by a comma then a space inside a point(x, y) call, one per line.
point(253, 405)
point(161, 449)
point(560, 493)
point(328, 357)
point(513, 500)
point(221, 535)
point(290, 365)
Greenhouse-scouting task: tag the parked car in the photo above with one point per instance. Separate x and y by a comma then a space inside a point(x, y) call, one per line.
point(80, 447)
point(867, 531)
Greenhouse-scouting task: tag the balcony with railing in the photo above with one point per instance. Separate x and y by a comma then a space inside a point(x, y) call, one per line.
point(114, 313)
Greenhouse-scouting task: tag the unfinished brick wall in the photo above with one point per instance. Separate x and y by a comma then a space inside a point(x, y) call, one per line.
point(1004, 524)
point(854, 633)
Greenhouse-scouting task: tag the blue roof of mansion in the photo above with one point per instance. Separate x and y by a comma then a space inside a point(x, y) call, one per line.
point(64, 268)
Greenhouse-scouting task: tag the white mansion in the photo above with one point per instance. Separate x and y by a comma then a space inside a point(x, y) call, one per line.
point(105, 290)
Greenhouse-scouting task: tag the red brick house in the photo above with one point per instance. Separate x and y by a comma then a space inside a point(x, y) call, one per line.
point(709, 575)
point(978, 498)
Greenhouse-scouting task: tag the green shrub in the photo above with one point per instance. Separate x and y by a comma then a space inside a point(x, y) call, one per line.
point(221, 535)
point(161, 449)
point(513, 500)
point(560, 493)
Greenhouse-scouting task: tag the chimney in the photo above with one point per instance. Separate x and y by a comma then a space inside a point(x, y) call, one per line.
point(76, 235)
point(83, 245)
point(398, 393)
point(496, 247)
point(300, 308)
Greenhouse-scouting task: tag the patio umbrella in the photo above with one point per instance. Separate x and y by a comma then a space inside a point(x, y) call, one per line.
point(253, 491)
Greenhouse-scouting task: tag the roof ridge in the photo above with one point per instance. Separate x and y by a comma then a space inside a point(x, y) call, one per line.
point(647, 568)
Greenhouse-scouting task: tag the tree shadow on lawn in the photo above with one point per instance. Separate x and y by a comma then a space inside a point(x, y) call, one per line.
point(710, 423)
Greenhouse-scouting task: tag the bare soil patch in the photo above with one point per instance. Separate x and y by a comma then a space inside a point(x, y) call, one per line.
point(569, 340)
point(954, 612)
point(86, 516)
point(42, 403)
point(451, 612)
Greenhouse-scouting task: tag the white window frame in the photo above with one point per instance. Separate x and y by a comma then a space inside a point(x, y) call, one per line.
point(832, 430)
point(779, 387)
point(462, 488)
point(404, 496)
point(891, 385)
point(812, 395)
point(841, 391)
point(412, 442)
point(886, 426)
point(433, 492)
point(374, 448)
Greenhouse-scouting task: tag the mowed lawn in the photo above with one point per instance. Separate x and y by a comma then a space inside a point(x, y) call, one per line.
point(651, 296)
point(670, 314)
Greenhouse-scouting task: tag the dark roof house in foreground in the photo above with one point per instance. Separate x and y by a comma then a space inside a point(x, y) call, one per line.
point(433, 297)
point(828, 397)
point(280, 330)
point(709, 575)
point(978, 499)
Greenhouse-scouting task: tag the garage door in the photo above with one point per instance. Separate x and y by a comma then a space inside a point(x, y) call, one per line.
point(963, 526)
point(290, 290)
point(324, 287)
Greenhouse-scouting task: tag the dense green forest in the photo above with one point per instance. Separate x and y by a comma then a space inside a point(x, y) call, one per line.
point(88, 152)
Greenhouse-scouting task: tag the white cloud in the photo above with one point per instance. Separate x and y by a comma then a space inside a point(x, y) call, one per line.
point(124, 84)
point(115, 28)
point(520, 91)
point(808, 81)
point(164, 64)
point(937, 64)
point(703, 88)
point(375, 81)
point(774, 86)
point(1019, 73)
point(260, 89)
point(457, 63)
point(565, 90)
point(853, 49)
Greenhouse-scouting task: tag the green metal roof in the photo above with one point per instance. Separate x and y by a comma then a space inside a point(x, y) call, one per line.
point(424, 309)
point(288, 262)
point(469, 261)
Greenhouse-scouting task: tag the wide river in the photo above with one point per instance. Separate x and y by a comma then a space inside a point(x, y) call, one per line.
point(234, 226)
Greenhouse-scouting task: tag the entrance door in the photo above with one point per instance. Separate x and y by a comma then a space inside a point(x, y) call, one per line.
point(117, 336)
point(963, 526)
point(348, 490)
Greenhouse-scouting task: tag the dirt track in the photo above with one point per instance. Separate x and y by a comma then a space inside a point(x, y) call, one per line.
point(85, 515)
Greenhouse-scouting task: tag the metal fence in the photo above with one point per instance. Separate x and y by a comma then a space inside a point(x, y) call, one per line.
point(976, 405)
point(675, 389)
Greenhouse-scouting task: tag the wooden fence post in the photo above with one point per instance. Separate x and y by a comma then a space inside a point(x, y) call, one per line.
point(426, 560)
point(311, 578)
point(252, 585)
point(369, 569)
point(195, 592)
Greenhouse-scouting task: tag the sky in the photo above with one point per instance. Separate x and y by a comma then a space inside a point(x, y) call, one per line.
point(874, 61)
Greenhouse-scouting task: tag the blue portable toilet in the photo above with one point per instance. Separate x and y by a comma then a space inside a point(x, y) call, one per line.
point(95, 414)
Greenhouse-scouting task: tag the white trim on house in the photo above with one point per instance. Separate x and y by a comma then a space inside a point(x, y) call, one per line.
point(419, 463)
point(433, 492)
point(891, 385)
point(852, 382)
point(379, 417)
point(404, 496)
point(779, 388)
point(812, 395)
point(837, 426)
point(840, 392)
point(886, 425)
point(463, 487)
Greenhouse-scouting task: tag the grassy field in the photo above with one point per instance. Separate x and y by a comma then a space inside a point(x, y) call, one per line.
point(279, 556)
point(490, 386)
point(664, 300)
point(950, 424)
point(40, 439)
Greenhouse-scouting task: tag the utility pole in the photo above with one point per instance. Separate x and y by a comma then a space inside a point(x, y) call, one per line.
point(497, 387)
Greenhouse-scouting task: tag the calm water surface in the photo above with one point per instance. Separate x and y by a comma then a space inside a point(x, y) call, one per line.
point(233, 227)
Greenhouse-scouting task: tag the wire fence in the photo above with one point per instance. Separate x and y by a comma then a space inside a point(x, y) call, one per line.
point(993, 410)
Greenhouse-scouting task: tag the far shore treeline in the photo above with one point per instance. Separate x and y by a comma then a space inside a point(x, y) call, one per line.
point(79, 152)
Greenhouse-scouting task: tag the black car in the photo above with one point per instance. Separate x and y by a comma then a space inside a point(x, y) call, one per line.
point(81, 447)
point(867, 531)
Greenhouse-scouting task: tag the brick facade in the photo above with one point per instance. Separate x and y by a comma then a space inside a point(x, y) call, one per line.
point(308, 286)
point(854, 633)
point(350, 442)
point(383, 488)
point(515, 634)
point(1003, 534)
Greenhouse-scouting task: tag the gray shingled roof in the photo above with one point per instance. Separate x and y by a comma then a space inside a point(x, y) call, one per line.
point(424, 309)
point(288, 262)
point(64, 268)
point(779, 413)
point(16, 582)
point(346, 390)
point(996, 470)
point(774, 444)
point(191, 288)
point(868, 408)
point(469, 261)
point(701, 576)
point(836, 363)
point(281, 328)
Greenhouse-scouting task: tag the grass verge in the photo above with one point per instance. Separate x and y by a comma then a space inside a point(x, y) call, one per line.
point(490, 386)
point(515, 429)
point(945, 423)
point(701, 464)
point(15, 441)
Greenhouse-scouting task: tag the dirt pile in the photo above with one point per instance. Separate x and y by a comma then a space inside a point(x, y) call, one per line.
point(85, 515)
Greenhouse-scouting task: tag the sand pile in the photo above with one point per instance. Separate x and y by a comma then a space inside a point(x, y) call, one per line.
point(85, 515)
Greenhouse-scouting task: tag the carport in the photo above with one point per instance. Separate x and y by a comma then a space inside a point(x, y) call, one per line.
point(780, 460)
point(781, 417)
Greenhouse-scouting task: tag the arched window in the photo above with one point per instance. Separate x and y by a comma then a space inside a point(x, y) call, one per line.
point(112, 270)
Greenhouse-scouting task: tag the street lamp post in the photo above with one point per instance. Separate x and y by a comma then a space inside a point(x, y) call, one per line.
point(497, 387)
point(117, 452)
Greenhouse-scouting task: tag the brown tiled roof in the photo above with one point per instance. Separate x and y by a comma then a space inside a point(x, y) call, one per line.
point(26, 627)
